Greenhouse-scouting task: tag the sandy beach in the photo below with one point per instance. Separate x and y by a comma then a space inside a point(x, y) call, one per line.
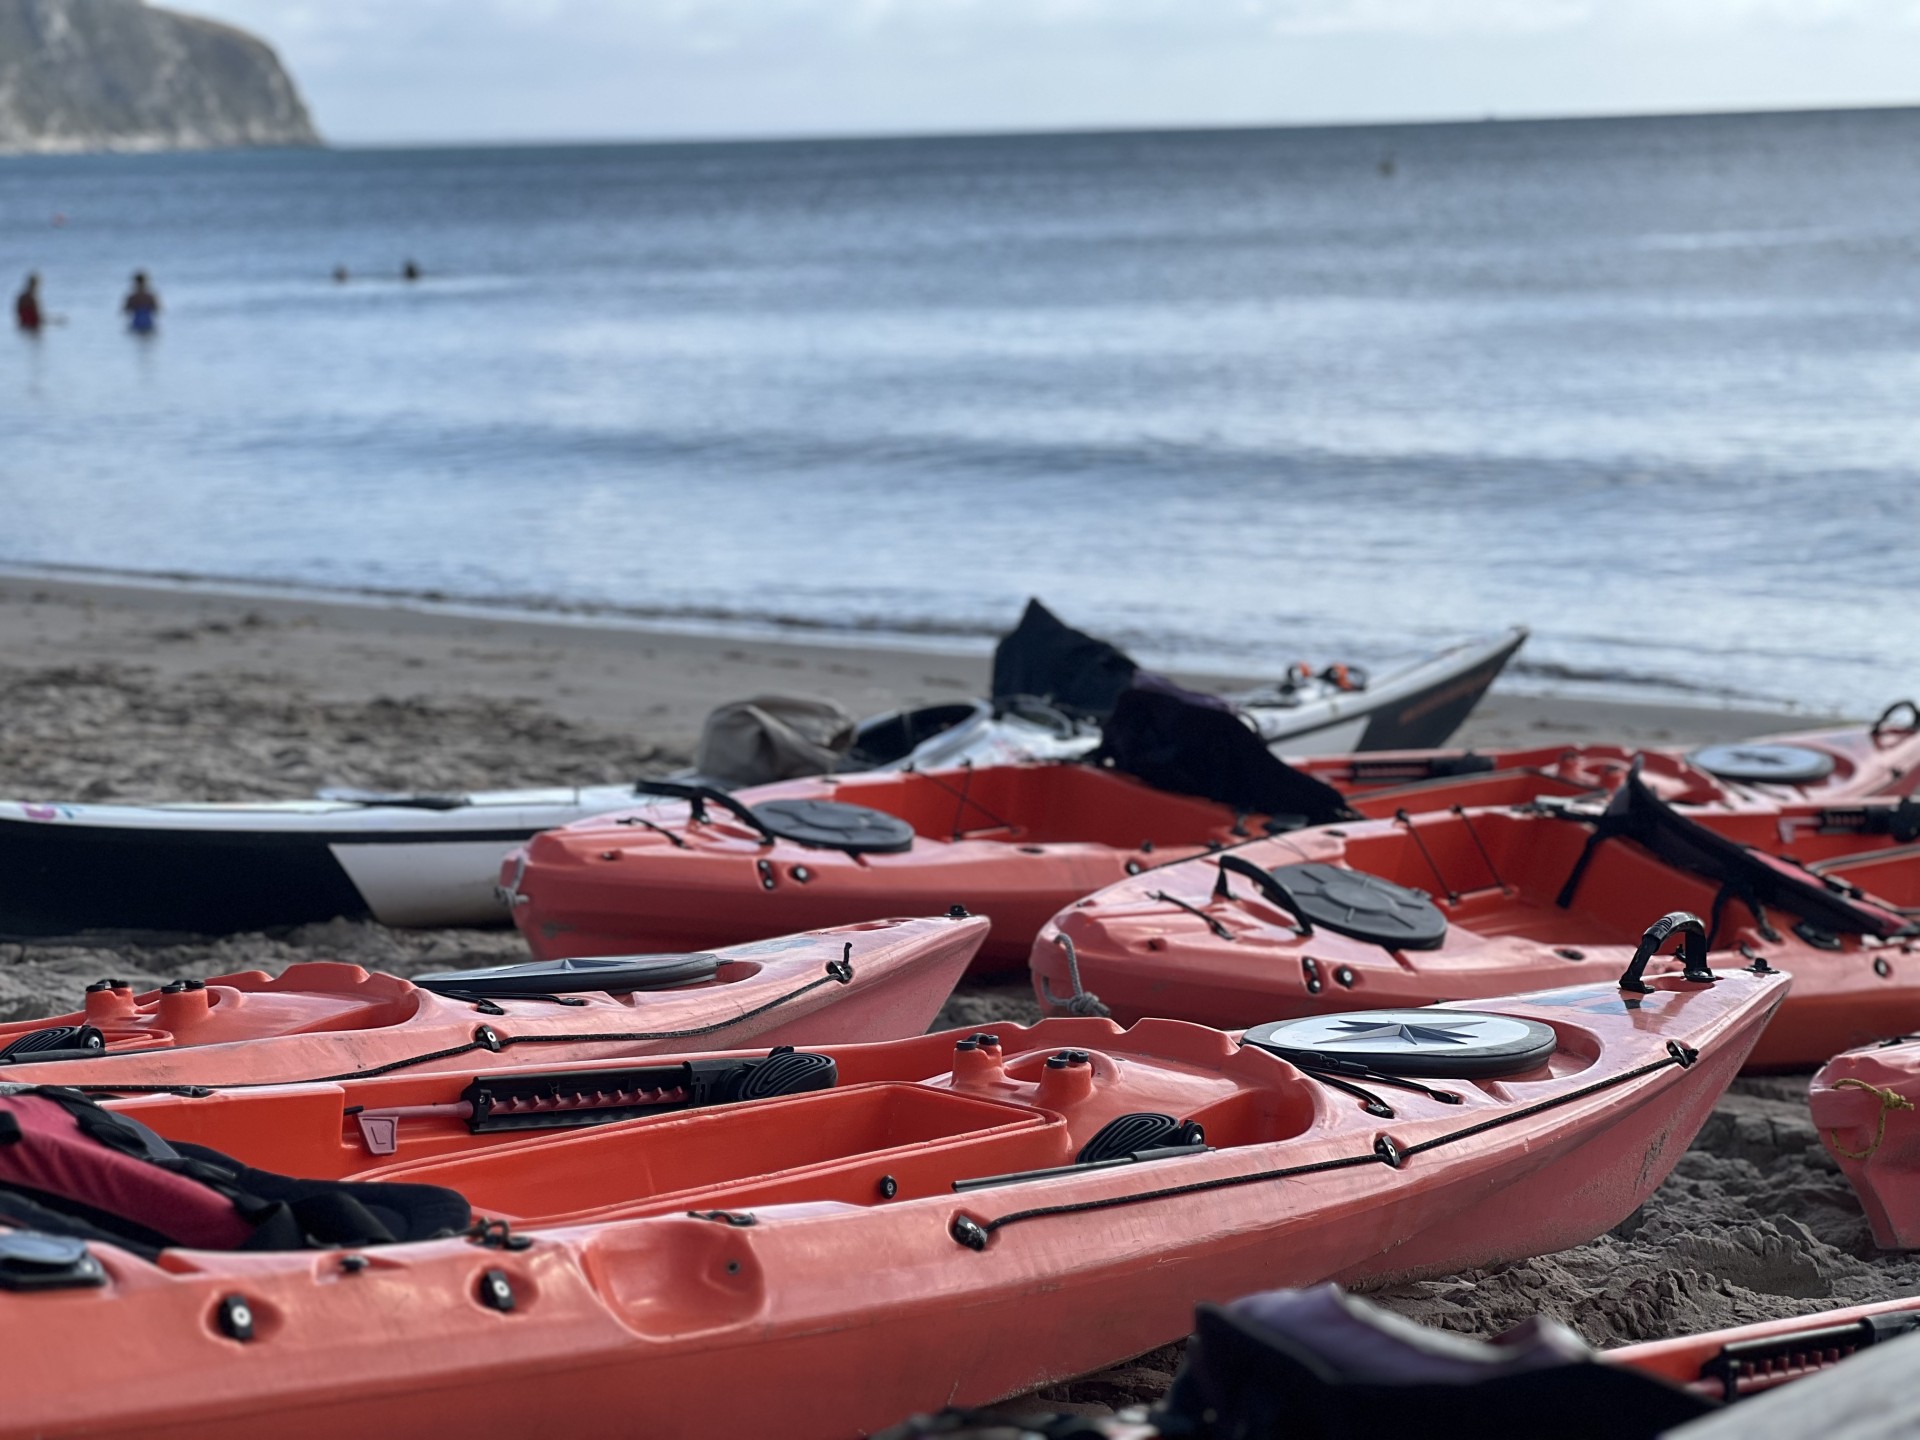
point(128, 691)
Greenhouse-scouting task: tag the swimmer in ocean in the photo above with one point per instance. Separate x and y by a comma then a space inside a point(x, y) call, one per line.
point(26, 306)
point(141, 306)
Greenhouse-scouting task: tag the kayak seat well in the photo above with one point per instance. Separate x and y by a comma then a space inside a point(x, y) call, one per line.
point(827, 1145)
point(1500, 872)
point(1731, 870)
point(869, 1142)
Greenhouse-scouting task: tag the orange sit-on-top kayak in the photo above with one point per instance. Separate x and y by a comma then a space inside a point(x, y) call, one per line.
point(1833, 767)
point(1176, 778)
point(1012, 842)
point(1451, 905)
point(876, 981)
point(1866, 1105)
point(807, 1244)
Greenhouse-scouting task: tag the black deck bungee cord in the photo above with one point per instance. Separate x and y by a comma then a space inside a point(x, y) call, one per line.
point(1213, 922)
point(839, 972)
point(974, 1234)
point(1460, 814)
point(1413, 832)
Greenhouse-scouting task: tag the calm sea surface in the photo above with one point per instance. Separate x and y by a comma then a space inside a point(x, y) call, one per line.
point(1652, 387)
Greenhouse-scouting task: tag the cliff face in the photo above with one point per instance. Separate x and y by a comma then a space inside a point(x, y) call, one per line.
point(120, 75)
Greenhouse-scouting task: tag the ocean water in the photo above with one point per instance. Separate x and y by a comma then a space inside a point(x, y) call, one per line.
point(1233, 399)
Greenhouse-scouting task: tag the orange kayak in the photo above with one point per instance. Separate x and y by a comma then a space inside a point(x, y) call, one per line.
point(1012, 842)
point(874, 981)
point(1750, 1359)
point(1863, 1104)
point(1019, 842)
point(892, 1227)
point(1837, 767)
point(1452, 905)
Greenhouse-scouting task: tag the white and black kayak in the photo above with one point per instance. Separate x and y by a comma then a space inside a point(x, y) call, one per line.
point(219, 869)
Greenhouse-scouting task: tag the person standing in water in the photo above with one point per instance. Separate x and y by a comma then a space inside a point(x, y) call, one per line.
point(141, 306)
point(26, 306)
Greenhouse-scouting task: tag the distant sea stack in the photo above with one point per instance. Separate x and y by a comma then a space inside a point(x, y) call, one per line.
point(121, 75)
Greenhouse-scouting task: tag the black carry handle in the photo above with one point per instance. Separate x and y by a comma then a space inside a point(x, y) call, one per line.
point(1892, 710)
point(699, 796)
point(1693, 953)
point(1268, 886)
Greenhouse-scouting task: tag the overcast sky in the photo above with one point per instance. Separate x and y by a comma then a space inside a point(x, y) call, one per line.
point(455, 70)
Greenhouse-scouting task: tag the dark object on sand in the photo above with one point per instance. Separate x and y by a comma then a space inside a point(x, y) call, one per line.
point(1319, 1364)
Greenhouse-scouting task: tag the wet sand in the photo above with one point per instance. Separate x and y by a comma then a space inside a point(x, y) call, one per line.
point(127, 692)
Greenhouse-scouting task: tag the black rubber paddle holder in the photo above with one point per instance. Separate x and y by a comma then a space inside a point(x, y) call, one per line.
point(1900, 821)
point(565, 1100)
point(1352, 903)
point(1143, 1130)
point(613, 974)
point(1693, 953)
point(1814, 1348)
point(55, 1042)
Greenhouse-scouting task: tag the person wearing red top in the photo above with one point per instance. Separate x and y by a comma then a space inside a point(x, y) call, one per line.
point(26, 305)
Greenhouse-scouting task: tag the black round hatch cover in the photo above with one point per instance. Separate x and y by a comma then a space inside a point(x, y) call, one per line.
point(831, 825)
point(1436, 1043)
point(616, 974)
point(1366, 907)
point(1780, 764)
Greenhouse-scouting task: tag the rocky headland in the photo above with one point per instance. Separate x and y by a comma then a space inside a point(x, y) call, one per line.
point(79, 75)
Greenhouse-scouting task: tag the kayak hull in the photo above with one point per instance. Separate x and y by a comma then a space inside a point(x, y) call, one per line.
point(1168, 941)
point(328, 1019)
point(1013, 842)
point(1863, 1105)
point(840, 1305)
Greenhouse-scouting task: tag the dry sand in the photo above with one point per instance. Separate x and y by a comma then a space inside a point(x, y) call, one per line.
point(112, 691)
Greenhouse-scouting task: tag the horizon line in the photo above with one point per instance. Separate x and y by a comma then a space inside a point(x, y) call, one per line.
point(1089, 131)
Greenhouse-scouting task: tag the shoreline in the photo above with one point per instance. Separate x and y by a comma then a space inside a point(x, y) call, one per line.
point(597, 669)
